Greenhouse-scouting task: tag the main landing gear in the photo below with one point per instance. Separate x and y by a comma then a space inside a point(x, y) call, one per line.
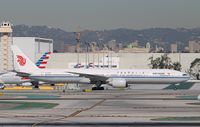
point(35, 84)
point(52, 84)
point(98, 86)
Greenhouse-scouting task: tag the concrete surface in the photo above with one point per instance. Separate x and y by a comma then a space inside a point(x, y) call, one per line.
point(109, 107)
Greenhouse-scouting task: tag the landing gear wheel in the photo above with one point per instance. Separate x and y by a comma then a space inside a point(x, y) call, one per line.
point(101, 88)
point(97, 88)
point(94, 88)
point(36, 86)
point(52, 84)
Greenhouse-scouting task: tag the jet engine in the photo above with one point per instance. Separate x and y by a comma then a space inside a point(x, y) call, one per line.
point(198, 97)
point(2, 86)
point(118, 83)
point(26, 84)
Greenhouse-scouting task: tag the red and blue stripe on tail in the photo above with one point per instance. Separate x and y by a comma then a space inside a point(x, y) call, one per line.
point(42, 62)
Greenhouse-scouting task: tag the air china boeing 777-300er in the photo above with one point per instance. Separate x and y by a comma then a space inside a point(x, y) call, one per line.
point(114, 77)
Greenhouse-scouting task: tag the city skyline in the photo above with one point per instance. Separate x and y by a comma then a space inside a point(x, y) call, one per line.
point(102, 14)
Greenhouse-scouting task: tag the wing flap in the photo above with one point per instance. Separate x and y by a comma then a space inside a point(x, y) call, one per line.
point(91, 76)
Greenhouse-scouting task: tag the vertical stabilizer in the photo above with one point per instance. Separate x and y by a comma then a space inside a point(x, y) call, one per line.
point(21, 62)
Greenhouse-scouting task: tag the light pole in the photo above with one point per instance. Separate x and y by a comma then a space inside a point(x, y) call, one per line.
point(86, 55)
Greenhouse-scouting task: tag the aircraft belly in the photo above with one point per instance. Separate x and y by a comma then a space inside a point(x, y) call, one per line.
point(57, 79)
point(155, 80)
point(12, 80)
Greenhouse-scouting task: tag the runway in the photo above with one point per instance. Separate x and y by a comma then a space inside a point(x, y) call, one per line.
point(101, 108)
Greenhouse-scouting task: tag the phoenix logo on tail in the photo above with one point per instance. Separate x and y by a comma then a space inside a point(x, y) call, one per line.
point(21, 60)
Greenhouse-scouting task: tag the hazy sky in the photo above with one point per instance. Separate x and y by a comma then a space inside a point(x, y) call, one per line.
point(102, 14)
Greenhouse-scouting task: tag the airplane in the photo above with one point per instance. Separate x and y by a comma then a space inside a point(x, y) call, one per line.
point(119, 78)
point(12, 78)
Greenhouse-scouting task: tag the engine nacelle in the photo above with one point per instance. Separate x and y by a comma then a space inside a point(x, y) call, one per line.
point(198, 97)
point(2, 86)
point(26, 84)
point(118, 83)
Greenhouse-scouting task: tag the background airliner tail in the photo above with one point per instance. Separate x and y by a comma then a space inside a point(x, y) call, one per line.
point(21, 62)
point(42, 62)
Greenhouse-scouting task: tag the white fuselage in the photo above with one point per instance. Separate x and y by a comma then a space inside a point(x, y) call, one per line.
point(156, 76)
point(116, 77)
point(12, 78)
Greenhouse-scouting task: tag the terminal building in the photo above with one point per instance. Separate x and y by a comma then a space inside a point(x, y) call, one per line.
point(116, 60)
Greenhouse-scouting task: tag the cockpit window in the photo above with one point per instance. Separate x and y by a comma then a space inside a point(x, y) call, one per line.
point(184, 74)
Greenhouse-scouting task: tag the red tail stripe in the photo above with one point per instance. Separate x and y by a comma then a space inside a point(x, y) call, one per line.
point(41, 66)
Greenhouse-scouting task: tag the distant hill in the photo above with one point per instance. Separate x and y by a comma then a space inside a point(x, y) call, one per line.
point(164, 36)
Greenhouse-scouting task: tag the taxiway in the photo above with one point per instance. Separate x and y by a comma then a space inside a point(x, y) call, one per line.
point(106, 108)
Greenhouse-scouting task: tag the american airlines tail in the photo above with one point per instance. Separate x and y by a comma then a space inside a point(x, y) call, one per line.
point(42, 62)
point(21, 62)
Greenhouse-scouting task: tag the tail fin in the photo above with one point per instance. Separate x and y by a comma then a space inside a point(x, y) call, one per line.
point(42, 62)
point(22, 62)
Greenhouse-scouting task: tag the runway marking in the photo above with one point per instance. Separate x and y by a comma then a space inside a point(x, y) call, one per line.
point(100, 98)
point(73, 114)
point(113, 124)
point(76, 113)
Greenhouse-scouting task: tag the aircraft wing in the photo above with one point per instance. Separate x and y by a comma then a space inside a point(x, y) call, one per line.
point(91, 76)
point(21, 74)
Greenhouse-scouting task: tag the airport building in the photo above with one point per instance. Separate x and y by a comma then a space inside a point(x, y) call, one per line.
point(5, 43)
point(194, 46)
point(116, 60)
point(174, 48)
